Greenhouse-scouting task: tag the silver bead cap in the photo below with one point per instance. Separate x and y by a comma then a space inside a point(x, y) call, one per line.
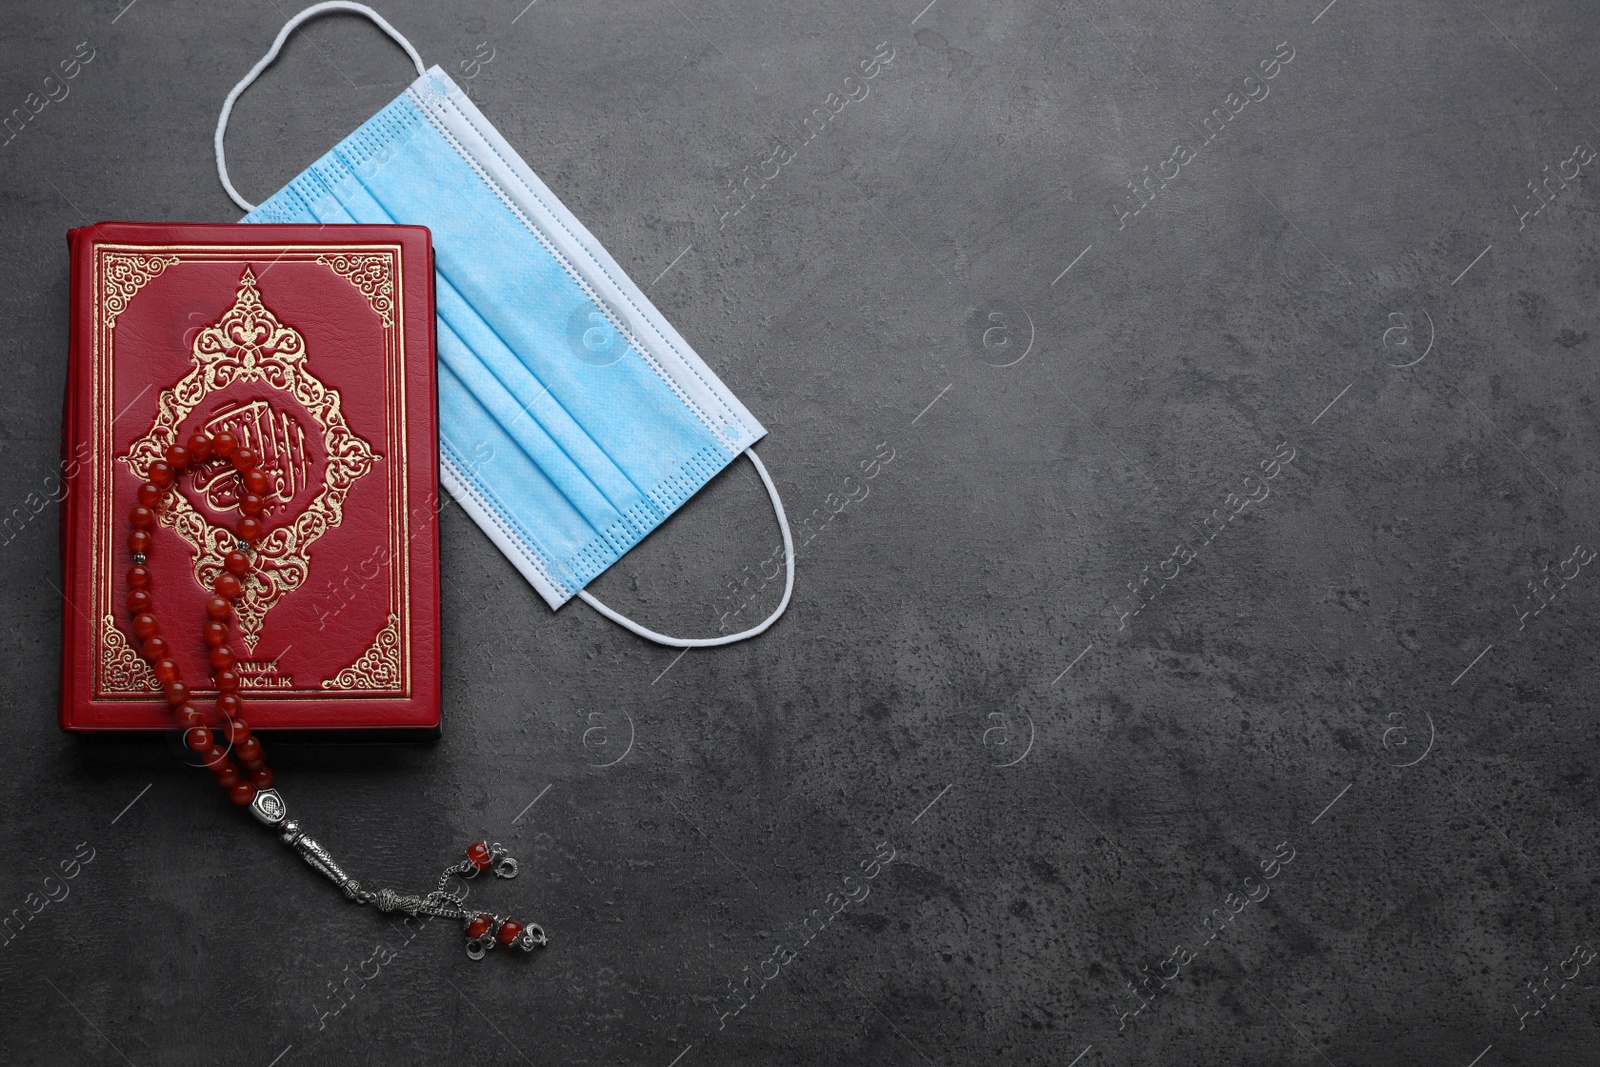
point(268, 806)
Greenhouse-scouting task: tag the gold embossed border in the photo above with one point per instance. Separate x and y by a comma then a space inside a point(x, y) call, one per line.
point(107, 555)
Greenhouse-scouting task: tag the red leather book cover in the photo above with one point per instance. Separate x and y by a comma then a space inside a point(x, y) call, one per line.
point(314, 346)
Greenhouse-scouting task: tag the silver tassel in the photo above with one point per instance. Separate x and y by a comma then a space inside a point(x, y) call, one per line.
point(269, 808)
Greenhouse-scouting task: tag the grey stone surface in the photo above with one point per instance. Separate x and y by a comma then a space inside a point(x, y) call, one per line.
point(1071, 795)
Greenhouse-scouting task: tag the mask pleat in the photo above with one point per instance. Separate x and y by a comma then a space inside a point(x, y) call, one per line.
point(526, 489)
point(510, 422)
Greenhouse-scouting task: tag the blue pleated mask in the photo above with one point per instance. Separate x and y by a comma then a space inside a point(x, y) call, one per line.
point(573, 419)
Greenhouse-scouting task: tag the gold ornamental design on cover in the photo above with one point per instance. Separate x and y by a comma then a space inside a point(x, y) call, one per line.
point(378, 667)
point(125, 668)
point(127, 273)
point(248, 345)
point(372, 275)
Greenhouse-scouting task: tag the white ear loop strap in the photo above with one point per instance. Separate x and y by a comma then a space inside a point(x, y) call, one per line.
point(272, 53)
point(707, 642)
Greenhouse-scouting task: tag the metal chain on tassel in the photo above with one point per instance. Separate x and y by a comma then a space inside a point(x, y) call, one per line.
point(483, 930)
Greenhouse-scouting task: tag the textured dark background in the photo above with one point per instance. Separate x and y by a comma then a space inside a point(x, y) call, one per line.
point(1069, 793)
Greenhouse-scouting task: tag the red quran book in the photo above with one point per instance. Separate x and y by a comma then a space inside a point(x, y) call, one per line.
point(314, 346)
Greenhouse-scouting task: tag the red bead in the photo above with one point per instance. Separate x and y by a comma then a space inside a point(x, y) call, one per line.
point(160, 472)
point(237, 731)
point(177, 457)
point(221, 658)
point(252, 504)
point(224, 443)
point(138, 540)
point(230, 706)
point(188, 717)
point(250, 528)
point(252, 764)
point(225, 681)
point(478, 926)
point(149, 494)
point(218, 608)
point(215, 633)
point(256, 481)
point(236, 563)
point(175, 692)
point(249, 750)
point(199, 446)
point(156, 648)
point(245, 459)
point(262, 779)
point(214, 757)
point(138, 577)
point(140, 601)
point(508, 932)
point(478, 853)
point(197, 739)
point(166, 671)
point(141, 517)
point(227, 586)
point(242, 793)
point(144, 625)
point(226, 774)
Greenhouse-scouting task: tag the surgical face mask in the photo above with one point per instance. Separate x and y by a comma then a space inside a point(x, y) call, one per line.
point(573, 418)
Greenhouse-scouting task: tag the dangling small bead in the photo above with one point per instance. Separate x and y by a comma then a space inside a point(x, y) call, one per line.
point(478, 926)
point(508, 932)
point(478, 853)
